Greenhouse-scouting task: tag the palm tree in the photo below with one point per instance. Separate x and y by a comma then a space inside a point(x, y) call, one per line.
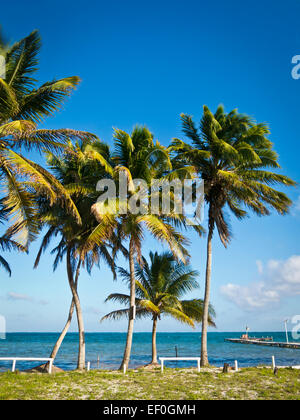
point(79, 244)
point(160, 288)
point(138, 157)
point(232, 154)
point(22, 106)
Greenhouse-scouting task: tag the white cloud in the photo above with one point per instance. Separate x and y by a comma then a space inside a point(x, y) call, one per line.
point(26, 298)
point(17, 296)
point(277, 280)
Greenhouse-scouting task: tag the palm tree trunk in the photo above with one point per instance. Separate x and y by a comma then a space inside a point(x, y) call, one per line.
point(127, 351)
point(69, 319)
point(204, 356)
point(81, 352)
point(154, 349)
point(64, 332)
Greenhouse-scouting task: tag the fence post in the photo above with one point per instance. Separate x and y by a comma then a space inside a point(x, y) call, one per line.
point(50, 366)
point(273, 362)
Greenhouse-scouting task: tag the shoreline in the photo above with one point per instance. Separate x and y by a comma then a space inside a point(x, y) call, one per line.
point(148, 332)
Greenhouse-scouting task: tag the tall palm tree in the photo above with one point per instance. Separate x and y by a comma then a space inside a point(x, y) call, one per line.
point(160, 287)
point(138, 157)
point(22, 106)
point(235, 158)
point(78, 243)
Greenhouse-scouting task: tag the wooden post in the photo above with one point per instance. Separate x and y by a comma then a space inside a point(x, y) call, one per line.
point(236, 366)
point(14, 365)
point(176, 351)
point(88, 366)
point(273, 362)
point(226, 368)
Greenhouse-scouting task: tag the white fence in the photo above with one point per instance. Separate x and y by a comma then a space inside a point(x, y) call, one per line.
point(33, 359)
point(163, 359)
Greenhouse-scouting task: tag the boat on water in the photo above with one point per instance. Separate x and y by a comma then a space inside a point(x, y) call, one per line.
point(247, 338)
point(262, 341)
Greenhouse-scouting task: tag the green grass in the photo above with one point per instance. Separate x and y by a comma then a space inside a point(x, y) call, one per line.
point(180, 384)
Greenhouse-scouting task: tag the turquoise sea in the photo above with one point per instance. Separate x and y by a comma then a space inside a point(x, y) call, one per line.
point(110, 347)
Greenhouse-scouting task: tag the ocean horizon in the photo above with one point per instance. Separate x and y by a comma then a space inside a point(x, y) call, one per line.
point(109, 347)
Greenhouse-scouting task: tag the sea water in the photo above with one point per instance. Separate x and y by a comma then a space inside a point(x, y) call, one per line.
point(109, 348)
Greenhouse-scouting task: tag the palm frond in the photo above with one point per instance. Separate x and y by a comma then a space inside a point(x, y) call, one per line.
point(194, 309)
point(47, 99)
point(44, 182)
point(118, 297)
point(116, 315)
point(22, 63)
point(5, 265)
point(179, 316)
point(8, 102)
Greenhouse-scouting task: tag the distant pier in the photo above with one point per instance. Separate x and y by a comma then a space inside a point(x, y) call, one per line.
point(264, 343)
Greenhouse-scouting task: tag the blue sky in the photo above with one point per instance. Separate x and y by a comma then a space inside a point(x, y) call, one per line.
point(146, 62)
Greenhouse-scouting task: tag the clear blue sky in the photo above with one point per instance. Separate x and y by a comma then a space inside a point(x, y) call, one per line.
point(146, 62)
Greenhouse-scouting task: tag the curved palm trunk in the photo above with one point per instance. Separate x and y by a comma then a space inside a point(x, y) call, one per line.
point(127, 351)
point(204, 357)
point(73, 286)
point(69, 319)
point(154, 348)
point(64, 331)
